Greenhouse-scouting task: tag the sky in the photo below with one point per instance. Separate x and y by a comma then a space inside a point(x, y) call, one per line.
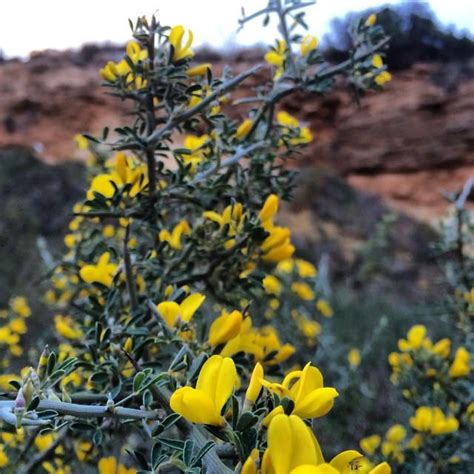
point(32, 25)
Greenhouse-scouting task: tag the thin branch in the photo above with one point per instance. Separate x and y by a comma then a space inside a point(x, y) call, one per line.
point(85, 411)
point(43, 455)
point(186, 115)
point(131, 287)
point(232, 160)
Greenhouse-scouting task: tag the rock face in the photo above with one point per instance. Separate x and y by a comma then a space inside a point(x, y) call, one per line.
point(407, 144)
point(36, 202)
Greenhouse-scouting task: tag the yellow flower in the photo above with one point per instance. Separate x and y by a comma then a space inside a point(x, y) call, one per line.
point(353, 461)
point(307, 45)
point(135, 52)
point(433, 420)
point(250, 465)
point(309, 328)
point(371, 20)
point(174, 238)
point(370, 444)
point(109, 72)
point(225, 327)
point(19, 305)
point(214, 387)
point(255, 384)
point(122, 172)
point(83, 449)
point(382, 78)
point(243, 129)
point(354, 357)
point(303, 290)
point(180, 50)
point(396, 434)
point(269, 209)
point(199, 70)
point(3, 457)
point(272, 285)
point(42, 442)
point(305, 269)
point(442, 348)
point(18, 326)
point(460, 366)
point(109, 466)
point(415, 442)
point(102, 272)
point(66, 327)
point(324, 308)
point(290, 444)
point(306, 389)
point(196, 144)
point(173, 312)
point(276, 57)
point(377, 61)
point(277, 246)
point(416, 338)
point(81, 142)
point(289, 122)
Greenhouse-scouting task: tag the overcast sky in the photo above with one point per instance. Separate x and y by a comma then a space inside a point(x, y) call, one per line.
point(28, 25)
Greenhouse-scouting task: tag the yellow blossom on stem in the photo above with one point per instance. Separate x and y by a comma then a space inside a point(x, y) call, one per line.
point(306, 389)
point(181, 50)
point(225, 327)
point(20, 306)
point(3, 457)
point(307, 45)
point(173, 312)
point(432, 420)
point(324, 308)
point(382, 78)
point(460, 366)
point(102, 272)
point(303, 290)
point(276, 57)
point(66, 327)
point(173, 238)
point(354, 358)
point(255, 384)
point(291, 443)
point(250, 465)
point(272, 285)
point(243, 129)
point(203, 404)
point(416, 338)
point(199, 70)
point(371, 20)
point(109, 465)
point(370, 444)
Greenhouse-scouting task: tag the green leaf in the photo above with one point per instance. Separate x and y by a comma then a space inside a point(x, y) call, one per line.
point(138, 380)
point(51, 363)
point(202, 452)
point(188, 451)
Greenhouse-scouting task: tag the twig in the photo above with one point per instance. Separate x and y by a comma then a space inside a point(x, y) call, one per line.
point(239, 154)
point(40, 457)
point(132, 290)
point(85, 411)
point(186, 115)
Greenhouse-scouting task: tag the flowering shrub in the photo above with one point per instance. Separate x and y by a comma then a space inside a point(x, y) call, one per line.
point(435, 378)
point(181, 309)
